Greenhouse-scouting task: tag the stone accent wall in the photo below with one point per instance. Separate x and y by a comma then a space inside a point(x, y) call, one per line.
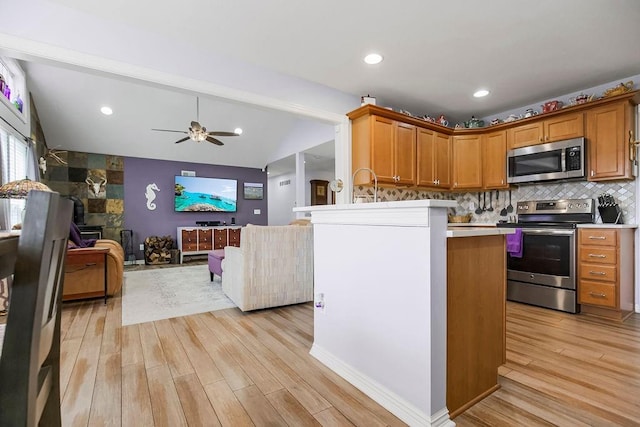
point(106, 208)
point(623, 192)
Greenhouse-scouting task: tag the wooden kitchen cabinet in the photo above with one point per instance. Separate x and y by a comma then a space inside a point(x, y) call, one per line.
point(494, 160)
point(476, 318)
point(606, 272)
point(608, 132)
point(433, 159)
point(560, 127)
point(387, 146)
point(467, 162)
point(404, 154)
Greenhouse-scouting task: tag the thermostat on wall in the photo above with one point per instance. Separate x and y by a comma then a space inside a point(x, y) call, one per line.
point(188, 173)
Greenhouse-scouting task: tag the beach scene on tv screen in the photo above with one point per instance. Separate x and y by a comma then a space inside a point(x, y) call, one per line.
point(198, 194)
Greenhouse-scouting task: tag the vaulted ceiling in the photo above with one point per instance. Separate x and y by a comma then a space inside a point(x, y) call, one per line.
point(436, 54)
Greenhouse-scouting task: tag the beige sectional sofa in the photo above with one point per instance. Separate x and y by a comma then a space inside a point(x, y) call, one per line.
point(272, 267)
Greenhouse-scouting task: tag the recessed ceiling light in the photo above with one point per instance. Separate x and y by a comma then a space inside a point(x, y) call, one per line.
point(106, 111)
point(480, 93)
point(238, 131)
point(373, 58)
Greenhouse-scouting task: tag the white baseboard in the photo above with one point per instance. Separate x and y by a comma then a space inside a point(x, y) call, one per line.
point(395, 404)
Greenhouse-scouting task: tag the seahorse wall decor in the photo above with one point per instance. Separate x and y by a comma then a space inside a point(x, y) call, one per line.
point(151, 196)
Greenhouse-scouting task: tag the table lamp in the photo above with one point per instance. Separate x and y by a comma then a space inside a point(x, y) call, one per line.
point(19, 189)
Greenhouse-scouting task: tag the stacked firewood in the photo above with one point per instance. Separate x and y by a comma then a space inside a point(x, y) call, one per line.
point(157, 250)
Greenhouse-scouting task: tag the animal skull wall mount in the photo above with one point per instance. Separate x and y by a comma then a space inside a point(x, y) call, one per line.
point(96, 187)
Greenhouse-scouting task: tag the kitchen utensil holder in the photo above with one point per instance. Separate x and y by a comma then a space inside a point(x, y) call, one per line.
point(610, 214)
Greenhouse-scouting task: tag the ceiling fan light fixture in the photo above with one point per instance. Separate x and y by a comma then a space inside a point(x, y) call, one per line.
point(373, 58)
point(480, 93)
point(107, 111)
point(238, 131)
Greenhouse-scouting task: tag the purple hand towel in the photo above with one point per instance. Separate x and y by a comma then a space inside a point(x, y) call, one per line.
point(514, 243)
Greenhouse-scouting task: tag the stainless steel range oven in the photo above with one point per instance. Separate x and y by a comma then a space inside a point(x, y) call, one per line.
point(545, 275)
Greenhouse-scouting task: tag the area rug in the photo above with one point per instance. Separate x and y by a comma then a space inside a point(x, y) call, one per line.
point(164, 293)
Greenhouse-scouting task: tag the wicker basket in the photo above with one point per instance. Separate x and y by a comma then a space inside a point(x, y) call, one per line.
point(460, 218)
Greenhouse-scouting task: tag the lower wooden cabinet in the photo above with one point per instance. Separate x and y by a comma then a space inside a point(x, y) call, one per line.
point(200, 240)
point(606, 272)
point(85, 273)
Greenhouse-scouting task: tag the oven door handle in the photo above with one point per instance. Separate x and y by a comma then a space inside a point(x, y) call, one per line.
point(548, 232)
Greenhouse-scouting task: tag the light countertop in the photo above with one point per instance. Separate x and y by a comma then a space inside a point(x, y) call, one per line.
point(607, 225)
point(478, 231)
point(427, 203)
point(472, 224)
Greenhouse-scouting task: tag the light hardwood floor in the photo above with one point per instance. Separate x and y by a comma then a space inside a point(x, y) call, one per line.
point(235, 369)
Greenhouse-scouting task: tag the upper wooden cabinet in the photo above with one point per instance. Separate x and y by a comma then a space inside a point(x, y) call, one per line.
point(387, 146)
point(433, 159)
point(404, 150)
point(608, 133)
point(467, 162)
point(565, 126)
point(494, 160)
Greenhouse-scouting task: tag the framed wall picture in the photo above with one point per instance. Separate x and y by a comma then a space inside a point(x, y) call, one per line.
point(253, 191)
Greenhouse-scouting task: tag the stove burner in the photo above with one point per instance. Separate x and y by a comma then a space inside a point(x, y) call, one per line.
point(565, 213)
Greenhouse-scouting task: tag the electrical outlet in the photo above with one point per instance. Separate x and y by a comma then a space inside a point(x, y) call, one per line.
point(142, 246)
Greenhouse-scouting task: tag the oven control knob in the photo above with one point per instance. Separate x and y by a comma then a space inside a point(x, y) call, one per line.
point(571, 206)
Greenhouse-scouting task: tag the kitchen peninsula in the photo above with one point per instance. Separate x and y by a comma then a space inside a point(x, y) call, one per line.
point(382, 297)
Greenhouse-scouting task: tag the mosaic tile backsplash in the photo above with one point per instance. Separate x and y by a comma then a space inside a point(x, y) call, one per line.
point(622, 192)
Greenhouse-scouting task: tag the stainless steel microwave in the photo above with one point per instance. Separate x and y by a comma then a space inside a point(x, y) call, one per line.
point(552, 161)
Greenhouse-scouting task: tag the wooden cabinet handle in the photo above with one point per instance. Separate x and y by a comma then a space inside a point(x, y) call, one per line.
point(597, 273)
point(632, 147)
point(597, 256)
point(597, 295)
point(597, 238)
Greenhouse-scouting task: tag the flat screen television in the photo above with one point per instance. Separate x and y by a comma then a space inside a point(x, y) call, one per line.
point(200, 194)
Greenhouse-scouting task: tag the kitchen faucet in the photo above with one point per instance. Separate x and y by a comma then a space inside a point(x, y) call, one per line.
point(375, 183)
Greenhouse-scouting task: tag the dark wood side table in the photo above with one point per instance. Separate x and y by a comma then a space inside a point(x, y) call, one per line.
point(85, 274)
point(320, 192)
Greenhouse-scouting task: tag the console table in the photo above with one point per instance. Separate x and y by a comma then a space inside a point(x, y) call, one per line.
point(201, 240)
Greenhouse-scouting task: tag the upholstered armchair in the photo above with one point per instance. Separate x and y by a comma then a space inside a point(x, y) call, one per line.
point(272, 267)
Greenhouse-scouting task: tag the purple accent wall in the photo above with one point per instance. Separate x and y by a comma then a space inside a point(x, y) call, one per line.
point(164, 220)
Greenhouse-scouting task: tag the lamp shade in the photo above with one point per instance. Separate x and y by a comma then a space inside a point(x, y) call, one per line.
point(20, 189)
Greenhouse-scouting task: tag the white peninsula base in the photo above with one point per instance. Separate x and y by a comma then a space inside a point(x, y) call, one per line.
point(380, 298)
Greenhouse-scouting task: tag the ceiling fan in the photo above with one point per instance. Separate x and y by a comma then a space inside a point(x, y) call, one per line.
point(199, 133)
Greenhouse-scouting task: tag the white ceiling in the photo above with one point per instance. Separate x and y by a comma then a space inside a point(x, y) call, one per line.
point(436, 55)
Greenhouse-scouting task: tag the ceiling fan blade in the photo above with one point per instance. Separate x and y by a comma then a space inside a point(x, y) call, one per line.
point(218, 133)
point(182, 140)
point(214, 141)
point(195, 126)
point(169, 130)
